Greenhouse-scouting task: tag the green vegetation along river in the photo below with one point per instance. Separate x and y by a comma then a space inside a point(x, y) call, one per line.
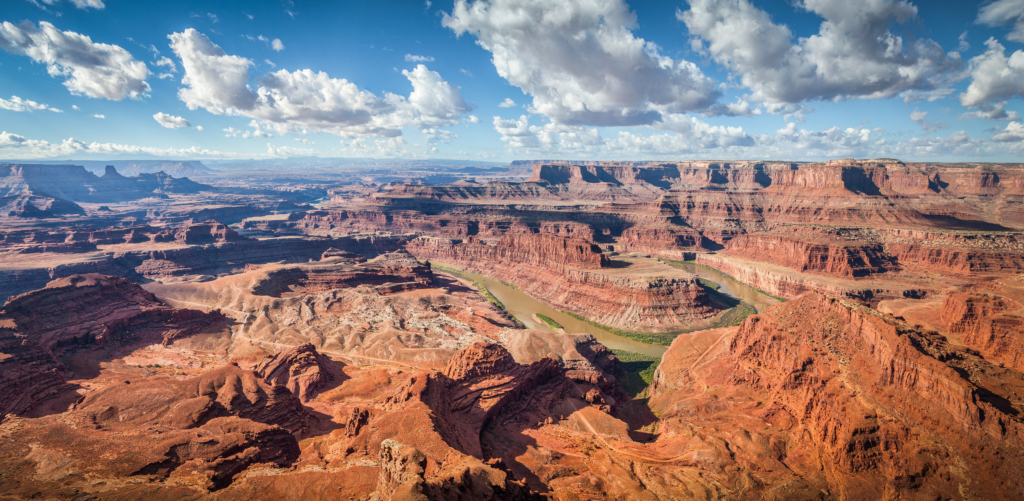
point(523, 307)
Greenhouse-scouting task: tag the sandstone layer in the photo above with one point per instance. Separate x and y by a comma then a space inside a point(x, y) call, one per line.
point(574, 275)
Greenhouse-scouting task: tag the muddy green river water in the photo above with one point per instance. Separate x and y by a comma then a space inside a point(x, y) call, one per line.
point(523, 307)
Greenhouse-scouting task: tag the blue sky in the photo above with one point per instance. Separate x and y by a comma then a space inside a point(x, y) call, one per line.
point(582, 79)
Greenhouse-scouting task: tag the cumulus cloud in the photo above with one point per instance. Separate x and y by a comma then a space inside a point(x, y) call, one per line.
point(213, 80)
point(289, 101)
point(519, 135)
point(992, 111)
point(994, 77)
point(473, 119)
point(412, 58)
point(853, 55)
point(171, 121)
point(580, 61)
point(98, 115)
point(696, 139)
point(702, 135)
point(305, 141)
point(1014, 132)
point(94, 69)
point(18, 104)
point(16, 145)
point(1003, 12)
point(507, 103)
point(199, 128)
point(276, 45)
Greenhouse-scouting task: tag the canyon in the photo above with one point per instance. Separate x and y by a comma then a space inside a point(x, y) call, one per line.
point(849, 329)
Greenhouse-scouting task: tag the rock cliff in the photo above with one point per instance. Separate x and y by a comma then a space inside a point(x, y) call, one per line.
point(574, 275)
point(847, 401)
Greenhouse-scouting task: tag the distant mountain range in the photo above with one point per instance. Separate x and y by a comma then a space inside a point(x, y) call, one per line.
point(37, 190)
point(174, 168)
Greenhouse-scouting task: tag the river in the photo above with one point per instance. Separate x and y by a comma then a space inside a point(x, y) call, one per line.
point(732, 287)
point(521, 306)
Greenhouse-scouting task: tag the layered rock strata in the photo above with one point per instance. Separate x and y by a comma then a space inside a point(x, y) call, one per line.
point(574, 275)
point(989, 323)
point(92, 310)
point(836, 398)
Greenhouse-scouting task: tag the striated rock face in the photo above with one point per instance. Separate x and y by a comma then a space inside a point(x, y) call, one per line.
point(207, 232)
point(672, 242)
point(834, 258)
point(187, 403)
point(393, 272)
point(477, 383)
point(300, 369)
point(83, 311)
point(574, 275)
point(991, 324)
point(198, 432)
point(790, 284)
point(851, 402)
point(28, 373)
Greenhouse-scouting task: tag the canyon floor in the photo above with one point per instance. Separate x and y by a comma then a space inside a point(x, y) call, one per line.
point(550, 330)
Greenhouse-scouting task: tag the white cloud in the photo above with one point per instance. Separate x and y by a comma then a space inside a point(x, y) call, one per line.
point(288, 101)
point(18, 104)
point(580, 61)
point(81, 4)
point(7, 139)
point(305, 141)
point(702, 135)
point(171, 121)
point(231, 132)
point(920, 118)
point(507, 103)
point(277, 45)
point(854, 54)
point(418, 59)
point(171, 67)
point(199, 128)
point(1014, 131)
point(436, 102)
point(1003, 12)
point(465, 72)
point(211, 16)
point(994, 77)
point(97, 115)
point(93, 69)
point(376, 148)
point(519, 135)
point(992, 111)
point(288, 151)
point(435, 135)
point(740, 108)
point(19, 146)
point(271, 63)
point(75, 107)
point(213, 79)
point(166, 61)
point(473, 119)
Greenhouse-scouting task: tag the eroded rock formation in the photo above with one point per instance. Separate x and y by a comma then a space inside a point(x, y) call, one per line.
point(575, 275)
